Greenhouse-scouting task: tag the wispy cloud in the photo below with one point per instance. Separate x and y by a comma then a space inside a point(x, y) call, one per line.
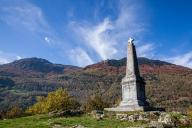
point(4, 60)
point(18, 57)
point(51, 41)
point(128, 22)
point(108, 37)
point(98, 38)
point(80, 57)
point(26, 15)
point(185, 59)
point(8, 57)
point(145, 50)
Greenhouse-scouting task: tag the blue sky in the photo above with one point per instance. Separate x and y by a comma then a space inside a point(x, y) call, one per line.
point(82, 32)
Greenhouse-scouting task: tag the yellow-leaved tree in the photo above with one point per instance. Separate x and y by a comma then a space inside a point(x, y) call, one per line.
point(189, 111)
point(58, 100)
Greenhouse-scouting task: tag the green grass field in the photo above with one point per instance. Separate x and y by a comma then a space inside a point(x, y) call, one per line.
point(44, 121)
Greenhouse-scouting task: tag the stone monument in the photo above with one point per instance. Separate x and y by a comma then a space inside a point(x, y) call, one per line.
point(133, 86)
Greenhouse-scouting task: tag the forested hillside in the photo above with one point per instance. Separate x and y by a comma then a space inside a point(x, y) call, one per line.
point(167, 85)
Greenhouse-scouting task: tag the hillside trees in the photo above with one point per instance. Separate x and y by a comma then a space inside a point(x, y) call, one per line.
point(167, 86)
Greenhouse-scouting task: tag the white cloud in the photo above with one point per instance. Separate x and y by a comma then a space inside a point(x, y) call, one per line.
point(97, 38)
point(129, 18)
point(8, 57)
point(18, 57)
point(145, 50)
point(24, 14)
point(47, 39)
point(107, 38)
point(80, 57)
point(185, 59)
point(4, 60)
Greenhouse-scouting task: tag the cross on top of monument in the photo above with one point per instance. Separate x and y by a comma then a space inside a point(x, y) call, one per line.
point(130, 40)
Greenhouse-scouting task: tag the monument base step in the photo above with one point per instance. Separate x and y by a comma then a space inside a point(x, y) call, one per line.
point(128, 108)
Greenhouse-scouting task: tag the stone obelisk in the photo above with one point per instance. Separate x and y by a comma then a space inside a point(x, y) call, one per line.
point(133, 86)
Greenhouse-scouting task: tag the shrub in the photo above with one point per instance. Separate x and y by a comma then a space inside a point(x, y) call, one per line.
point(14, 112)
point(59, 100)
point(189, 111)
point(95, 103)
point(2, 114)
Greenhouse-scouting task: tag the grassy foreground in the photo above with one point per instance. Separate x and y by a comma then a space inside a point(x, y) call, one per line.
point(44, 121)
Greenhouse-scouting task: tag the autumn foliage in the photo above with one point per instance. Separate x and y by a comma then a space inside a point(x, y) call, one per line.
point(14, 112)
point(59, 100)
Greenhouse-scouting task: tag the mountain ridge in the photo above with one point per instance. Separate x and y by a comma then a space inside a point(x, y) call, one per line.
point(21, 81)
point(36, 66)
point(111, 62)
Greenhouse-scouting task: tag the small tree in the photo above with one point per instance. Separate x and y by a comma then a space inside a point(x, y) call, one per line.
point(39, 107)
point(95, 103)
point(55, 101)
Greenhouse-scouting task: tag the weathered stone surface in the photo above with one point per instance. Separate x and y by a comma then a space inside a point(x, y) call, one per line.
point(133, 90)
point(65, 113)
point(57, 126)
point(157, 119)
point(155, 124)
point(126, 108)
point(97, 114)
point(60, 126)
point(120, 116)
point(133, 86)
point(133, 117)
point(167, 120)
point(78, 126)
